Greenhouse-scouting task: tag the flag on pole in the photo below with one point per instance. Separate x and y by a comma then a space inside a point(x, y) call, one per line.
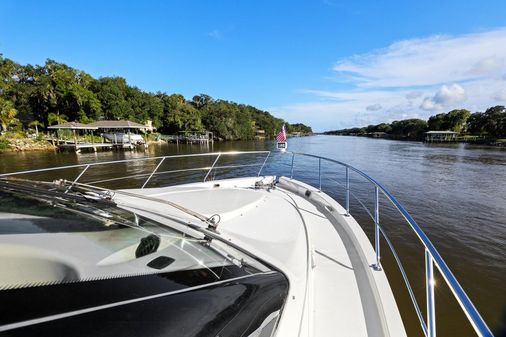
point(281, 136)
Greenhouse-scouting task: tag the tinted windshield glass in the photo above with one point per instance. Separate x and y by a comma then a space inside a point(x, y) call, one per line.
point(48, 236)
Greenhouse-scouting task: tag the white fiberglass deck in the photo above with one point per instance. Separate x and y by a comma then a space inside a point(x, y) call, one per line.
point(334, 290)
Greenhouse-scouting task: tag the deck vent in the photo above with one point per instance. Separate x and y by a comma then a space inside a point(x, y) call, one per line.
point(160, 262)
point(308, 193)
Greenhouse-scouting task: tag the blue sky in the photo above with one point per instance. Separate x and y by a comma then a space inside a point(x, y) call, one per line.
point(328, 63)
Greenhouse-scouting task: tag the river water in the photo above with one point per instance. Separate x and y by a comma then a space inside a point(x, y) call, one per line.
point(456, 193)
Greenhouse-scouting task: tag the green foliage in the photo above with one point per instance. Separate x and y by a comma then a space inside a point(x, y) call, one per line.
point(490, 123)
point(53, 118)
point(299, 127)
point(4, 143)
point(178, 114)
point(7, 114)
point(409, 128)
point(455, 120)
point(56, 93)
point(405, 129)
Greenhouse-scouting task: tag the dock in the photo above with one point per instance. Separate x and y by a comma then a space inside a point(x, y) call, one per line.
point(66, 145)
point(83, 133)
point(441, 136)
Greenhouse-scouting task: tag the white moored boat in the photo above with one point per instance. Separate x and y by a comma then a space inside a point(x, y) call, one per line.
point(236, 254)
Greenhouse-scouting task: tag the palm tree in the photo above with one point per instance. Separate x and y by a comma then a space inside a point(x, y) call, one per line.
point(56, 118)
point(36, 124)
point(7, 114)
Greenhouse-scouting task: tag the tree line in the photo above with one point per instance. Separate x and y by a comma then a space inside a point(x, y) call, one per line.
point(490, 124)
point(42, 95)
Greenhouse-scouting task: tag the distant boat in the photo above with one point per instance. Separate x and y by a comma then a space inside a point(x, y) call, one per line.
point(121, 132)
point(124, 138)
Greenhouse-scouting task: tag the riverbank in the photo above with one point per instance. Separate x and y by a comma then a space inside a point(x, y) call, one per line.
point(464, 139)
point(25, 144)
point(28, 145)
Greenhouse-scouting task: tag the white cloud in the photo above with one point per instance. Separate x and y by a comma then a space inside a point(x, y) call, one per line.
point(428, 61)
point(444, 97)
point(415, 77)
point(374, 107)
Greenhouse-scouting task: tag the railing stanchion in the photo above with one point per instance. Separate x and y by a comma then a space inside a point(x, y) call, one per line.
point(152, 173)
point(431, 303)
point(78, 177)
point(291, 171)
point(431, 300)
point(263, 164)
point(320, 172)
point(377, 229)
point(347, 191)
point(212, 166)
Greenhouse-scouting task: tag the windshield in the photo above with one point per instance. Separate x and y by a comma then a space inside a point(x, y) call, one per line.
point(49, 236)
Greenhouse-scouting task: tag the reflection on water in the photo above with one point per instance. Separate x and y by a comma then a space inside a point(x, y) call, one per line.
point(456, 192)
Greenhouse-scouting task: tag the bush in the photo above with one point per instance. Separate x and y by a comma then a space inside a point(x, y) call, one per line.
point(4, 143)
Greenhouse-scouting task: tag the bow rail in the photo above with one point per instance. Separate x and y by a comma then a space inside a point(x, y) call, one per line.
point(432, 256)
point(259, 162)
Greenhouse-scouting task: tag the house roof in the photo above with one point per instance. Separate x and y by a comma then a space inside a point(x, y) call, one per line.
point(73, 126)
point(111, 124)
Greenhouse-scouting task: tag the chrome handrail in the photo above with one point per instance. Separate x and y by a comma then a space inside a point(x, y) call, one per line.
point(432, 256)
point(154, 171)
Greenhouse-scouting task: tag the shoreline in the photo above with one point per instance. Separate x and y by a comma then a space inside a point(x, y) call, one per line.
point(499, 143)
point(27, 145)
point(32, 145)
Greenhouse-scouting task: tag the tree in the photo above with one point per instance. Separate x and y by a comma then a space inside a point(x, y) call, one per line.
point(36, 124)
point(7, 114)
point(53, 118)
point(384, 127)
point(409, 128)
point(494, 119)
point(179, 115)
point(456, 120)
point(112, 94)
point(55, 92)
point(437, 122)
point(202, 100)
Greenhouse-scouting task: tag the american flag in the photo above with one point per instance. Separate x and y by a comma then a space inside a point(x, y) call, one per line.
point(281, 136)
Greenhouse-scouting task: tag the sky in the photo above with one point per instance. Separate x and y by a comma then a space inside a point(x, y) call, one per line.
point(327, 63)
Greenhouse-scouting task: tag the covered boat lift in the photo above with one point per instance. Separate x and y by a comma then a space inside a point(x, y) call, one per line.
point(441, 136)
point(76, 128)
point(115, 134)
point(121, 132)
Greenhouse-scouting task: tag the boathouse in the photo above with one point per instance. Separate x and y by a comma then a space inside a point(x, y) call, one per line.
point(79, 130)
point(440, 136)
point(113, 133)
point(121, 131)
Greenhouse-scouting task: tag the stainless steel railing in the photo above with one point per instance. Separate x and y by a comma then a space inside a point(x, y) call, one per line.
point(432, 256)
point(259, 162)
